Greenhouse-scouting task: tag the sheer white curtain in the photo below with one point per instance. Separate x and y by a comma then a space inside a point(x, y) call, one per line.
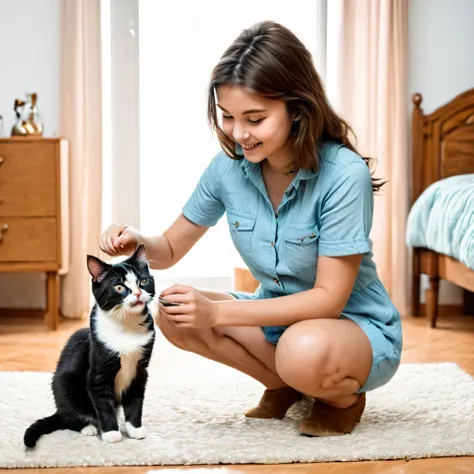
point(180, 42)
point(367, 50)
point(81, 125)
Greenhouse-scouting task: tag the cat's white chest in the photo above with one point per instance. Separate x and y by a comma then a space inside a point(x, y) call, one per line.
point(121, 337)
point(126, 339)
point(127, 372)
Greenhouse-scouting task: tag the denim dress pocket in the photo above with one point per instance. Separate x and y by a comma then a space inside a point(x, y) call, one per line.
point(301, 248)
point(241, 227)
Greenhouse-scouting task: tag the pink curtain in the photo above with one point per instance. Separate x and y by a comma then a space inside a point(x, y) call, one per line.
point(81, 125)
point(373, 98)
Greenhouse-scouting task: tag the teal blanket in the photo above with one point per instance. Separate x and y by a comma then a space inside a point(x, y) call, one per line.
point(442, 219)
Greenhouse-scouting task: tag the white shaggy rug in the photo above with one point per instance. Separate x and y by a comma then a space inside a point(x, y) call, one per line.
point(194, 414)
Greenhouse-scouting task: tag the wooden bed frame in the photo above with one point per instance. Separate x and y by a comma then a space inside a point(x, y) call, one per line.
point(442, 146)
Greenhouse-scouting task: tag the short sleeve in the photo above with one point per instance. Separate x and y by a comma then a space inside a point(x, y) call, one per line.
point(346, 214)
point(205, 207)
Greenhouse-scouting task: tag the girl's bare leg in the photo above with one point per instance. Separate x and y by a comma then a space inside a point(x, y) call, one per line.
point(242, 348)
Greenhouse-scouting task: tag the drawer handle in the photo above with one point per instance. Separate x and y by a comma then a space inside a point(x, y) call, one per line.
point(3, 229)
point(1, 160)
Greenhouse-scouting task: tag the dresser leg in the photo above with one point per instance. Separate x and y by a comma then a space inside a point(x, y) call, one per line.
point(51, 317)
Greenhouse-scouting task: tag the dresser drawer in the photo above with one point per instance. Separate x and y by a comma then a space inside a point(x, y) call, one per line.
point(28, 179)
point(28, 239)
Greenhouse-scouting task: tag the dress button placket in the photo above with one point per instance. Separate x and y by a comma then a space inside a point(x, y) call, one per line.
point(276, 281)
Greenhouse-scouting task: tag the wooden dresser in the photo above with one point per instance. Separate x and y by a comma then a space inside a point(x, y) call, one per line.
point(34, 212)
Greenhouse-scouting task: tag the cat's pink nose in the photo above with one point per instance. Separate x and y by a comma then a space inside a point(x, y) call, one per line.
point(137, 293)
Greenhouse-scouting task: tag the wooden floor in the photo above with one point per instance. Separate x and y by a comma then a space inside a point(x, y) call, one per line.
point(26, 345)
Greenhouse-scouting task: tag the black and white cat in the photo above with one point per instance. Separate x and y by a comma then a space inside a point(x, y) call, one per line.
point(105, 366)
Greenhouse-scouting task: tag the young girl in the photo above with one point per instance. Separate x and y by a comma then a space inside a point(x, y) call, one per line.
point(299, 204)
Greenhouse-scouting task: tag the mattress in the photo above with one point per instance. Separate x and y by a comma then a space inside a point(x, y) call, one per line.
point(442, 219)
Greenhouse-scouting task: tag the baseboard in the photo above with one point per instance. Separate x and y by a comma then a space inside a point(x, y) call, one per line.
point(212, 283)
point(22, 312)
point(36, 313)
point(444, 310)
point(243, 281)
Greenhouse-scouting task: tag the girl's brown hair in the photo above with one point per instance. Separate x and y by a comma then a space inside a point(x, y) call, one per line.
point(270, 60)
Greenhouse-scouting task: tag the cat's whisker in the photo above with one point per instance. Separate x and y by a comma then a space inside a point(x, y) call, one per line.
point(123, 312)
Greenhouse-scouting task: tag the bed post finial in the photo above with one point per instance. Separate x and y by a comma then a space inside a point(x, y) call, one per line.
point(417, 98)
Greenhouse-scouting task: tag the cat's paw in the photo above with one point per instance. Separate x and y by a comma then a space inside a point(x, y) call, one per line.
point(136, 433)
point(112, 436)
point(89, 430)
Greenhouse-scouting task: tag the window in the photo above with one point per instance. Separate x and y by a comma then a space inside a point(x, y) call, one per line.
point(179, 44)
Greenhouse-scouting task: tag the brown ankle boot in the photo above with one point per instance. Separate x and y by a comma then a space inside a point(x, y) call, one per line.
point(275, 403)
point(327, 420)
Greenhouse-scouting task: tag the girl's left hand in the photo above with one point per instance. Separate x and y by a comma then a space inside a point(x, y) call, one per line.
point(195, 310)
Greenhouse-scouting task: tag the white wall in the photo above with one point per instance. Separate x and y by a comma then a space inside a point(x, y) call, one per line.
point(29, 52)
point(441, 64)
point(176, 144)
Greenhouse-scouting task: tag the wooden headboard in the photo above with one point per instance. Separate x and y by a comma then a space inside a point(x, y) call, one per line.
point(442, 142)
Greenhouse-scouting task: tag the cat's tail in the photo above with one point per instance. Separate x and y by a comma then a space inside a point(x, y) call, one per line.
point(41, 427)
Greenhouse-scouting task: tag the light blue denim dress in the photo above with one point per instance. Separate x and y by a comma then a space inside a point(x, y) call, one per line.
point(324, 212)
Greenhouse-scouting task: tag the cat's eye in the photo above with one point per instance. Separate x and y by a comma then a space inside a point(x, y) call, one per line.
point(144, 282)
point(120, 289)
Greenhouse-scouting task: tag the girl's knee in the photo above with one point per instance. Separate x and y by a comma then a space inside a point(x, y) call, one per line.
point(304, 359)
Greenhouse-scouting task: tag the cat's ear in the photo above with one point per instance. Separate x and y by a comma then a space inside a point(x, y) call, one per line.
point(97, 268)
point(139, 256)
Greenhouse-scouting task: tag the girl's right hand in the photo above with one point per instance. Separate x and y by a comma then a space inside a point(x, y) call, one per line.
point(120, 240)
